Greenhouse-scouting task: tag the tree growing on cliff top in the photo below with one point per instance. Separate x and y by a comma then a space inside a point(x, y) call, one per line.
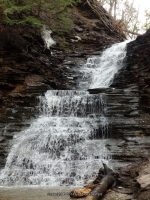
point(146, 25)
point(125, 13)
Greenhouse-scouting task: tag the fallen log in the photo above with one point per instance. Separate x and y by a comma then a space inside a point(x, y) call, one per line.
point(80, 193)
point(96, 190)
point(132, 32)
point(102, 188)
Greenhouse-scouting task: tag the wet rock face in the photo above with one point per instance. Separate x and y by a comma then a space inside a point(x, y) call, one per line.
point(27, 67)
point(138, 64)
point(131, 119)
point(136, 73)
point(23, 53)
point(138, 51)
point(92, 32)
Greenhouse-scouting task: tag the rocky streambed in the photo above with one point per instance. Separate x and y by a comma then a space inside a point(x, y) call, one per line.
point(134, 182)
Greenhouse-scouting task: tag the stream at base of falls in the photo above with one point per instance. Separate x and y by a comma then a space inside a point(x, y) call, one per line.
point(68, 142)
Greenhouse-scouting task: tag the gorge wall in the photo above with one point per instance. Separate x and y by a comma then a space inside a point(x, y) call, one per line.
point(136, 73)
point(134, 78)
point(138, 63)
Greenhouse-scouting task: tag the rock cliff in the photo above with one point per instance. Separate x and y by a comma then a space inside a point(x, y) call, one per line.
point(138, 64)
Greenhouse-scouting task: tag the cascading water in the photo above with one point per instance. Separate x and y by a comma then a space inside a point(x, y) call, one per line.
point(99, 71)
point(68, 139)
point(48, 40)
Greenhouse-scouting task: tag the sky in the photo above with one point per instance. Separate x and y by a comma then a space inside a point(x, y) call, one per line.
point(142, 5)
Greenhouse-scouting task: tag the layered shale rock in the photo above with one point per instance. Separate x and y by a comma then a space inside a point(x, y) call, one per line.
point(138, 63)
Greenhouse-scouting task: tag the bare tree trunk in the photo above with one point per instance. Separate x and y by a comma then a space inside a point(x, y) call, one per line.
point(115, 9)
point(110, 7)
point(132, 32)
point(39, 8)
point(97, 189)
point(102, 188)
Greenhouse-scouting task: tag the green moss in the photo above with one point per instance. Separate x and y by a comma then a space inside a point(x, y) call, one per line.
point(32, 21)
point(17, 9)
point(64, 44)
point(66, 21)
point(29, 12)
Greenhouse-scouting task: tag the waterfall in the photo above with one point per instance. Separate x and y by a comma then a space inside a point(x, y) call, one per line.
point(99, 71)
point(48, 40)
point(63, 144)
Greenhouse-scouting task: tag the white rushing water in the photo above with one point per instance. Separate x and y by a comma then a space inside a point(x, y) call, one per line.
point(48, 40)
point(68, 138)
point(99, 71)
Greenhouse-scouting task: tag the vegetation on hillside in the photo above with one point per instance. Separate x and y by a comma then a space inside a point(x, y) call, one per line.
point(147, 20)
point(127, 15)
point(34, 12)
point(124, 12)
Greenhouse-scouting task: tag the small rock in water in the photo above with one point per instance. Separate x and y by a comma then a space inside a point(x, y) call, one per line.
point(2, 139)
